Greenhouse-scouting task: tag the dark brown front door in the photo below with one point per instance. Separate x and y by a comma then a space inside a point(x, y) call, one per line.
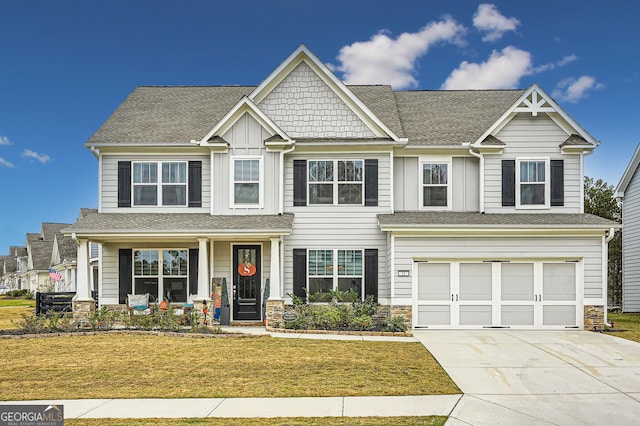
point(246, 283)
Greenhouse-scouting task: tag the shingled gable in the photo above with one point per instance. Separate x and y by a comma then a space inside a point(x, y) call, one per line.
point(244, 106)
point(303, 55)
point(534, 100)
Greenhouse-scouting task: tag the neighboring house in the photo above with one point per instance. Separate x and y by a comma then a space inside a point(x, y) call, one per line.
point(39, 248)
point(452, 208)
point(628, 191)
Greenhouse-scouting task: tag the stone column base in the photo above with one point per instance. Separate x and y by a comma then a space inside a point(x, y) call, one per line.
point(404, 311)
point(593, 318)
point(83, 310)
point(275, 309)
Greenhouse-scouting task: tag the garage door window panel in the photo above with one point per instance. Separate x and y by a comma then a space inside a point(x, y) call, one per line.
point(559, 281)
point(517, 282)
point(435, 281)
point(475, 281)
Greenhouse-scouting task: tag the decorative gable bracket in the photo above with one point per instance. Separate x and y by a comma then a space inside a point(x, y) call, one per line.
point(534, 103)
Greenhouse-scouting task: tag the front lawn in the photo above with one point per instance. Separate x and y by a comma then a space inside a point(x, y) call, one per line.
point(628, 324)
point(11, 310)
point(140, 365)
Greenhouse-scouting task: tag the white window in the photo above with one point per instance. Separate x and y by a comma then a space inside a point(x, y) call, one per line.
point(436, 191)
point(170, 281)
point(161, 183)
point(532, 186)
point(335, 270)
point(336, 182)
point(246, 180)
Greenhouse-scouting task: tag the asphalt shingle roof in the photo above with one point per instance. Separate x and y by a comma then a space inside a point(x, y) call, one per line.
point(122, 223)
point(41, 254)
point(67, 248)
point(177, 115)
point(49, 230)
point(497, 220)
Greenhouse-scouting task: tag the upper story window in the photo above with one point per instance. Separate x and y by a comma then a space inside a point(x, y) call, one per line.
point(336, 181)
point(532, 184)
point(160, 183)
point(435, 184)
point(247, 181)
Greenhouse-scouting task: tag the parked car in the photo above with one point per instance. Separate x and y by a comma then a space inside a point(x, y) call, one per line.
point(4, 289)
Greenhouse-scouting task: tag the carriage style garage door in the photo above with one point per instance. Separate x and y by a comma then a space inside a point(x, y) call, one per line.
point(519, 294)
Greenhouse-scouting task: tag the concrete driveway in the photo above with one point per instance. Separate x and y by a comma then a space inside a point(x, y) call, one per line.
point(539, 377)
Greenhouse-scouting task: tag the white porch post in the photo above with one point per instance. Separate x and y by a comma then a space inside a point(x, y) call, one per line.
point(83, 284)
point(203, 270)
point(275, 290)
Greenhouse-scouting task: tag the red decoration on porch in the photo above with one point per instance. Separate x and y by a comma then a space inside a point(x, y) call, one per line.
point(164, 305)
point(246, 269)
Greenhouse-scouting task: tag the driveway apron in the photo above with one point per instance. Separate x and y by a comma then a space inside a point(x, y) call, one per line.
point(539, 377)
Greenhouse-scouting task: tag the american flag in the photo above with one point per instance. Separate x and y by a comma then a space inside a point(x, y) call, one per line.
point(55, 275)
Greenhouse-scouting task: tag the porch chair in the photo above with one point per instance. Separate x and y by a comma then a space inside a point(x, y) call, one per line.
point(139, 304)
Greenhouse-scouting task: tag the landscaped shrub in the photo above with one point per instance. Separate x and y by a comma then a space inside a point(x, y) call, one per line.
point(395, 324)
point(20, 294)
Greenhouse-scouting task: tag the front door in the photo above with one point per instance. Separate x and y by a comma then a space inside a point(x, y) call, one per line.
point(246, 283)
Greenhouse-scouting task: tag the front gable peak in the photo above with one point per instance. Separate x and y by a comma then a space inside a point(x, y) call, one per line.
point(244, 106)
point(535, 101)
point(308, 101)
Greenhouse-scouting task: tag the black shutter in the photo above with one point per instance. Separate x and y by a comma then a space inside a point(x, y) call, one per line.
point(125, 274)
point(300, 273)
point(557, 182)
point(299, 182)
point(371, 182)
point(371, 273)
point(124, 183)
point(193, 271)
point(195, 183)
point(508, 183)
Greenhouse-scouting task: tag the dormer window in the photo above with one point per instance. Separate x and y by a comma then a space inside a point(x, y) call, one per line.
point(246, 173)
point(435, 184)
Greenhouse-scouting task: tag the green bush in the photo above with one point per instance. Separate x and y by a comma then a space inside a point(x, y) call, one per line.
point(103, 319)
point(362, 322)
point(395, 324)
point(20, 294)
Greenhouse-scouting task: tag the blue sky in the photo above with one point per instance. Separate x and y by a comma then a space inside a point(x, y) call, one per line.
point(66, 65)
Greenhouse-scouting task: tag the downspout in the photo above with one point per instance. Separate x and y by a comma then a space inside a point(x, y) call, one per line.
point(481, 158)
point(605, 264)
point(281, 186)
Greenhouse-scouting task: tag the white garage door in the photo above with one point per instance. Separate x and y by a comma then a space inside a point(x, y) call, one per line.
point(496, 294)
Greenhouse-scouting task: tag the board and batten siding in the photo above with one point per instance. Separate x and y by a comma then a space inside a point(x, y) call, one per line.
point(109, 184)
point(631, 246)
point(532, 137)
point(336, 226)
point(589, 249)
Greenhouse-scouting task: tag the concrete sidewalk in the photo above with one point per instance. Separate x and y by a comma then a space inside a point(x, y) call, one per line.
point(437, 405)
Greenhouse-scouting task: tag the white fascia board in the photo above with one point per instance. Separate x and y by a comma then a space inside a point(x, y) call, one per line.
point(475, 230)
point(159, 235)
point(628, 174)
point(303, 54)
point(555, 108)
point(245, 105)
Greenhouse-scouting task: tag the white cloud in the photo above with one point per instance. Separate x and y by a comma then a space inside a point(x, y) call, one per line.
point(488, 19)
point(385, 60)
point(572, 90)
point(503, 70)
point(558, 64)
point(4, 140)
point(42, 158)
point(5, 163)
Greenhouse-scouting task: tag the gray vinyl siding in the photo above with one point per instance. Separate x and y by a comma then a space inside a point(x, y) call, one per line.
point(589, 249)
point(528, 136)
point(464, 181)
point(631, 246)
point(109, 184)
point(338, 227)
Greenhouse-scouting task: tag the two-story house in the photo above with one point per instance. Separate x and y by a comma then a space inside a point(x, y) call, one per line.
point(453, 208)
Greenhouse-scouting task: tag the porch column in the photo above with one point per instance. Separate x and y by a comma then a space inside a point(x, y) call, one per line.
point(203, 269)
point(83, 304)
point(275, 290)
point(83, 283)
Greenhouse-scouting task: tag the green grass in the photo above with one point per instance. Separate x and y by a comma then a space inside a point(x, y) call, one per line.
point(283, 421)
point(140, 365)
point(10, 302)
point(629, 323)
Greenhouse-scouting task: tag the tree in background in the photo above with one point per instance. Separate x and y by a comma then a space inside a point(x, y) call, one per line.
point(600, 201)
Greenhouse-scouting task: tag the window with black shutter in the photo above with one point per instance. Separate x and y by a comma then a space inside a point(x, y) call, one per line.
point(124, 183)
point(509, 183)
